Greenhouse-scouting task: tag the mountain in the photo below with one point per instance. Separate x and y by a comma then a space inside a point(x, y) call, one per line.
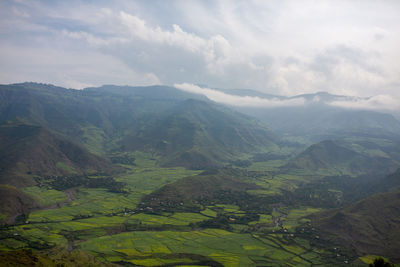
point(92, 117)
point(155, 117)
point(27, 151)
point(91, 170)
point(342, 157)
point(370, 226)
point(320, 119)
point(198, 134)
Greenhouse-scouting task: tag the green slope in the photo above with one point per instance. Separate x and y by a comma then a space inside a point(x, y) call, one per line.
point(370, 226)
point(27, 151)
point(198, 134)
point(92, 117)
point(191, 133)
point(192, 193)
point(344, 157)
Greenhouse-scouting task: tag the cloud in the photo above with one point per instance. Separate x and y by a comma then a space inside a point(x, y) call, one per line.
point(217, 52)
point(241, 101)
point(283, 48)
point(92, 39)
point(138, 28)
point(378, 102)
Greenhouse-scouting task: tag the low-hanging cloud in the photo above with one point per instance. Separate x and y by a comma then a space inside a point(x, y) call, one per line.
point(379, 102)
point(240, 101)
point(383, 103)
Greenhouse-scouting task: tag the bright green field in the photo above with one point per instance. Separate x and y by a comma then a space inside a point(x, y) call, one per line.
point(45, 197)
point(230, 249)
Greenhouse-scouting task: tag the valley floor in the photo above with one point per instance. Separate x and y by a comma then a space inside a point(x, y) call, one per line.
point(111, 227)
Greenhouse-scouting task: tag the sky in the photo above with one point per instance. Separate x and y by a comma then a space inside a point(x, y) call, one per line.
point(276, 47)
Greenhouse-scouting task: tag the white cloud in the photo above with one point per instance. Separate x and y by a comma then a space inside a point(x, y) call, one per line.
point(216, 51)
point(92, 39)
point(378, 102)
point(241, 101)
point(279, 47)
point(139, 28)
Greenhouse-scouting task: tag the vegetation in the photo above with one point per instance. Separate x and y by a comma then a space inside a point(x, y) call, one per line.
point(152, 176)
point(365, 225)
point(380, 262)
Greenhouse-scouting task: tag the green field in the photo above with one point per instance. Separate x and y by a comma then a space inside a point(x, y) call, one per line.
point(111, 227)
point(230, 249)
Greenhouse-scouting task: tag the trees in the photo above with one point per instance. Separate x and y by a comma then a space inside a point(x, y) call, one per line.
point(380, 262)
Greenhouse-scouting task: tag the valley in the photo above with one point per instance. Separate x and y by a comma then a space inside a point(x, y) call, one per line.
point(153, 176)
point(113, 228)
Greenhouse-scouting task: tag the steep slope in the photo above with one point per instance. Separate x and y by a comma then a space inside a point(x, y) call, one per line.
point(198, 134)
point(28, 151)
point(182, 129)
point(389, 182)
point(340, 157)
point(371, 226)
point(57, 108)
point(92, 117)
point(14, 203)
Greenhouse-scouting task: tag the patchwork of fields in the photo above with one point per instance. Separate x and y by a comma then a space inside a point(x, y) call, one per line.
point(109, 225)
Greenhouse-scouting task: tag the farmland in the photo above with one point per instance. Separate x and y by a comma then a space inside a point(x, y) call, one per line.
point(111, 227)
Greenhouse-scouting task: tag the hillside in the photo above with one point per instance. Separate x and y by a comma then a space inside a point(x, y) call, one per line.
point(187, 128)
point(342, 157)
point(370, 226)
point(92, 117)
point(190, 193)
point(197, 134)
point(27, 151)
point(389, 182)
point(14, 203)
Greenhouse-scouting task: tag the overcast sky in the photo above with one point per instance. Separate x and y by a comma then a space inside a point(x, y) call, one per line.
point(277, 47)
